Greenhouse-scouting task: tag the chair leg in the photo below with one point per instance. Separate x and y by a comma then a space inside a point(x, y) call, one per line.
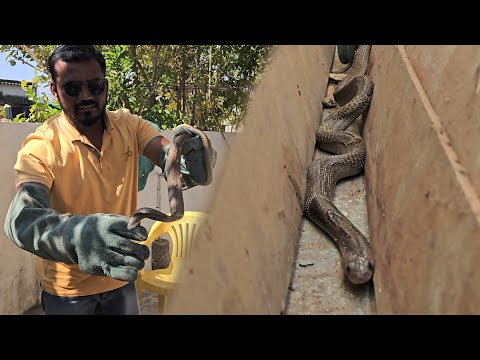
point(139, 290)
point(162, 303)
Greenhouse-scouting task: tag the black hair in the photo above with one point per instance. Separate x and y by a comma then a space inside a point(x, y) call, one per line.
point(74, 53)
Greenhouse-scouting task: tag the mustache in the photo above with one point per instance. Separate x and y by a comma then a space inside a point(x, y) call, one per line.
point(87, 103)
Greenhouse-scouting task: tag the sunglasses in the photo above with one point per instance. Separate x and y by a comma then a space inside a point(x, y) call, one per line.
point(74, 88)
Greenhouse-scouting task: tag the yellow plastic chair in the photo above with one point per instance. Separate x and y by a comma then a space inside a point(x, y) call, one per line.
point(182, 233)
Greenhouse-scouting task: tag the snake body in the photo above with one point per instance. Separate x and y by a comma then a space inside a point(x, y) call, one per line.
point(354, 95)
point(174, 180)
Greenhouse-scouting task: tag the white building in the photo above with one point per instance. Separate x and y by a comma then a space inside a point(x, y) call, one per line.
point(11, 93)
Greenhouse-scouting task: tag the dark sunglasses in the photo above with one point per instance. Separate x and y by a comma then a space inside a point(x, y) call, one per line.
point(74, 87)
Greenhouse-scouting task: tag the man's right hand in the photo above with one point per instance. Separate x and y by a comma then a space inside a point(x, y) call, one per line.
point(101, 245)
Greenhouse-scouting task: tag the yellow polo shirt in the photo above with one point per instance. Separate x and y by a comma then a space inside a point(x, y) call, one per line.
point(83, 180)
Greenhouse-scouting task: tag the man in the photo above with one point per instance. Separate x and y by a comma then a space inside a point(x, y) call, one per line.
point(76, 179)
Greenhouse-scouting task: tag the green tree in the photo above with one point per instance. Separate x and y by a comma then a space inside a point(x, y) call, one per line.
point(207, 86)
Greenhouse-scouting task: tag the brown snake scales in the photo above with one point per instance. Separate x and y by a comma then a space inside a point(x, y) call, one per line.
point(353, 95)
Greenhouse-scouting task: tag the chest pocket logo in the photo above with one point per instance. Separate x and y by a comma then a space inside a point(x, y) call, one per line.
point(128, 153)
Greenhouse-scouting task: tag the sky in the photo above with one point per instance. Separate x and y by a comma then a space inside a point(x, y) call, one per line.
point(18, 72)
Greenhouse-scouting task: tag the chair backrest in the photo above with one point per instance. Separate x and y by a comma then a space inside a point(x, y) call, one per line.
point(182, 232)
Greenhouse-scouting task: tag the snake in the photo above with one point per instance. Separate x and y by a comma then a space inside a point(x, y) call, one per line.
point(174, 179)
point(347, 158)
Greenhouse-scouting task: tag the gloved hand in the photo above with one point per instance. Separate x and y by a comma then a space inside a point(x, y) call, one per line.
point(346, 53)
point(100, 244)
point(192, 161)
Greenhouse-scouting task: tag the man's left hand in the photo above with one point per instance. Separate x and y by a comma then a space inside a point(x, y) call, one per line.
point(193, 162)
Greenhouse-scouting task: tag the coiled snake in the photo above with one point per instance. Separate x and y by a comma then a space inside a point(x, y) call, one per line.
point(354, 95)
point(174, 180)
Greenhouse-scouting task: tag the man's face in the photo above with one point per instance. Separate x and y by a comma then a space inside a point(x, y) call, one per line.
point(78, 89)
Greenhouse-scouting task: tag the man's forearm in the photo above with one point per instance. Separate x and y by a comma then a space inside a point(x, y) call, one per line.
point(155, 150)
point(99, 243)
point(33, 226)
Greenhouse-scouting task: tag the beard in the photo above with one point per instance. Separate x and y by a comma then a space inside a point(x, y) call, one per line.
point(84, 118)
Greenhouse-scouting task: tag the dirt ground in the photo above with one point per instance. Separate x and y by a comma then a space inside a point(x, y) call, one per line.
point(148, 304)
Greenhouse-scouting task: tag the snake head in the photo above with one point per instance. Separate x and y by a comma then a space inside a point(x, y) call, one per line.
point(359, 269)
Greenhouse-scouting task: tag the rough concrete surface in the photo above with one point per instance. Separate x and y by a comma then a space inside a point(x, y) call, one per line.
point(423, 195)
point(318, 283)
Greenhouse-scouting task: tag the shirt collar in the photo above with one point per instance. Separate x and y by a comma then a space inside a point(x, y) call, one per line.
point(71, 133)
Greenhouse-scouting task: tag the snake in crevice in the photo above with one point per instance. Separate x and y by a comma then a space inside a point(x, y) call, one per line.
point(174, 179)
point(353, 95)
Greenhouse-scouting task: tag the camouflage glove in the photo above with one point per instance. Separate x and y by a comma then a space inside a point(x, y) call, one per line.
point(100, 245)
point(346, 53)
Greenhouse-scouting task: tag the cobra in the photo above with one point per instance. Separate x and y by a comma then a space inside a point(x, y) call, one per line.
point(353, 95)
point(174, 180)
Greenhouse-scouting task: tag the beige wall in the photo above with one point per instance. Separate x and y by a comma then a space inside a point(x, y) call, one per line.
point(17, 275)
point(242, 264)
point(422, 174)
point(18, 286)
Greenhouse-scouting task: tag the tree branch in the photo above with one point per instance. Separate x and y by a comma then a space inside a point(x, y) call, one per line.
point(34, 58)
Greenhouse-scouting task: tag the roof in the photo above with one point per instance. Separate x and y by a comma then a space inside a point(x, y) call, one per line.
point(13, 82)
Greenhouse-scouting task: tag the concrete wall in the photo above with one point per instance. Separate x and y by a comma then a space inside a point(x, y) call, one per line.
point(422, 175)
point(18, 286)
point(242, 263)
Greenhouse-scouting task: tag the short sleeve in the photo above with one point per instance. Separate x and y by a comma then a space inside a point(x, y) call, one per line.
point(146, 132)
point(34, 162)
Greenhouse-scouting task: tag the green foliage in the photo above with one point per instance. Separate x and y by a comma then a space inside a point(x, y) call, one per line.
point(41, 109)
point(205, 86)
point(3, 111)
